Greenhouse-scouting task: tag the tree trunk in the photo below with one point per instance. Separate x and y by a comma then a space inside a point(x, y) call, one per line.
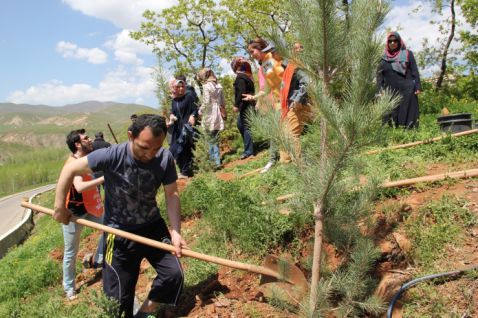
point(317, 256)
point(447, 46)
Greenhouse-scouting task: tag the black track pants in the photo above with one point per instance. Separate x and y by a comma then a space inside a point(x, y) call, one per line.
point(122, 265)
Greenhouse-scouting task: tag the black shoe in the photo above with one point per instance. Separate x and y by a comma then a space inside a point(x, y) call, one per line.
point(244, 156)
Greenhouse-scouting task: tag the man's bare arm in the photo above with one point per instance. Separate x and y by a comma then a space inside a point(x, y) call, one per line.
point(81, 185)
point(69, 171)
point(173, 207)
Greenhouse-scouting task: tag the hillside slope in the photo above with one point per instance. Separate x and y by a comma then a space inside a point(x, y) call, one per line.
point(24, 127)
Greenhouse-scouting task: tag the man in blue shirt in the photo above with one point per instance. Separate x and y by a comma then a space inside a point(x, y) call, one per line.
point(133, 173)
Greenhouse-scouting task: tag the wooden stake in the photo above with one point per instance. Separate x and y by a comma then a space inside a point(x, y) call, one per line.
point(422, 142)
point(112, 133)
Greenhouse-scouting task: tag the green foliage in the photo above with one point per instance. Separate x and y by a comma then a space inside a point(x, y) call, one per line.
point(235, 214)
point(190, 34)
point(31, 169)
point(30, 280)
point(202, 159)
point(197, 34)
point(458, 94)
point(437, 225)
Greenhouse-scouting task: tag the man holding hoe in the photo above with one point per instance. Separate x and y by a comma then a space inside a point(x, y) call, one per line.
point(133, 173)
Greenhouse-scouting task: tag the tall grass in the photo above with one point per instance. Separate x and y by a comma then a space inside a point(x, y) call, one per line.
point(30, 169)
point(30, 279)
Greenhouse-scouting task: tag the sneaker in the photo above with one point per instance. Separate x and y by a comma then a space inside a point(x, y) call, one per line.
point(182, 176)
point(71, 295)
point(267, 167)
point(244, 156)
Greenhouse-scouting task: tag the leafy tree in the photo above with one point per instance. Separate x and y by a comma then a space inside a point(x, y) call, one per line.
point(349, 118)
point(468, 38)
point(250, 19)
point(190, 34)
point(199, 33)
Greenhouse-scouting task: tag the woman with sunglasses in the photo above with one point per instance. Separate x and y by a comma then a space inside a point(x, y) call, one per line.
point(398, 72)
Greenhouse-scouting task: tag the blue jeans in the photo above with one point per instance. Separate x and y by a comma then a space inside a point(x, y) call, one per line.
point(71, 239)
point(243, 127)
point(214, 154)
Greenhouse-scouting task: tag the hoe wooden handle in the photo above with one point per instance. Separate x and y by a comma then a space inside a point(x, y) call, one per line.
point(146, 241)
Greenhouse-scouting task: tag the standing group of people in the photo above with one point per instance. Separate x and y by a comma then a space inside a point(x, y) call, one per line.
point(186, 111)
point(132, 172)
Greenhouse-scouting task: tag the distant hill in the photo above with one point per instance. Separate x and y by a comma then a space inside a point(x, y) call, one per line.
point(25, 126)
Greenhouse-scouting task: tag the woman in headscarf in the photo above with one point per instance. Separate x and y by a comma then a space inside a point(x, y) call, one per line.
point(182, 118)
point(243, 85)
point(212, 111)
point(398, 72)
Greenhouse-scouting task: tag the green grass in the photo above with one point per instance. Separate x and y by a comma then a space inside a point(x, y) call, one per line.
point(32, 169)
point(437, 225)
point(30, 280)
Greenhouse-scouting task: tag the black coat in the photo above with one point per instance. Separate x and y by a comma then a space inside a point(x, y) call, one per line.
point(182, 107)
point(243, 85)
point(407, 112)
point(99, 143)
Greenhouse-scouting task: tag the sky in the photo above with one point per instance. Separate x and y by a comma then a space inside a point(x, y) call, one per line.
point(59, 52)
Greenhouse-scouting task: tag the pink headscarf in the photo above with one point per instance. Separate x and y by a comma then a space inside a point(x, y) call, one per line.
point(399, 58)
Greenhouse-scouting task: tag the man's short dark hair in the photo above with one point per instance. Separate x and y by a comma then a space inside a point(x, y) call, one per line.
point(99, 134)
point(74, 137)
point(155, 122)
point(181, 78)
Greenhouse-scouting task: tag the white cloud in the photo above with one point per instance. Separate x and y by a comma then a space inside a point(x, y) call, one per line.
point(125, 14)
point(126, 49)
point(225, 66)
point(71, 50)
point(412, 21)
point(122, 85)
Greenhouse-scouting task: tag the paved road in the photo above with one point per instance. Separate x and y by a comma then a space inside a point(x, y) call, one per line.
point(11, 213)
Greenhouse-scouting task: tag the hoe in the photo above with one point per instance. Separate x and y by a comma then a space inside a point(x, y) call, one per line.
point(280, 279)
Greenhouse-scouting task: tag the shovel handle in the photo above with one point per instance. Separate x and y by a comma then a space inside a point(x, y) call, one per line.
point(146, 241)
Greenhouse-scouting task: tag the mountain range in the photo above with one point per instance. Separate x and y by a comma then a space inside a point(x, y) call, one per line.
point(24, 126)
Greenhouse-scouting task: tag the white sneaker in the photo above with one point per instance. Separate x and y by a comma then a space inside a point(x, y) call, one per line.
point(267, 167)
point(71, 295)
point(182, 176)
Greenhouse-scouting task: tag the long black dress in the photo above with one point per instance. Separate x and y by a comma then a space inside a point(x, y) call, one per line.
point(406, 113)
point(181, 145)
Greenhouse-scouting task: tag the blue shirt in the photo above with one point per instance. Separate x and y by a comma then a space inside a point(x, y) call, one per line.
point(130, 185)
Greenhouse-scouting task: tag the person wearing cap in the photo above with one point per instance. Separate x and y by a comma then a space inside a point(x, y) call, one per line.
point(100, 142)
point(243, 85)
